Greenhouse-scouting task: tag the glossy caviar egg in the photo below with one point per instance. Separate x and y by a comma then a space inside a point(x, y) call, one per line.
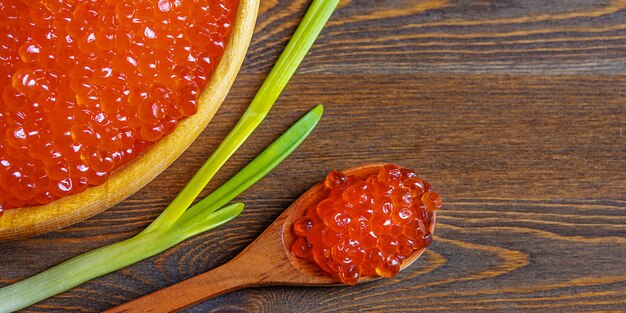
point(87, 85)
point(367, 227)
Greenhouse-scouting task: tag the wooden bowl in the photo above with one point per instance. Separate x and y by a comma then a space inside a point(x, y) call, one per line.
point(29, 221)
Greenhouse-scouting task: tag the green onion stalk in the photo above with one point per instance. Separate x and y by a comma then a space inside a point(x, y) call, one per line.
point(312, 24)
point(110, 258)
point(182, 220)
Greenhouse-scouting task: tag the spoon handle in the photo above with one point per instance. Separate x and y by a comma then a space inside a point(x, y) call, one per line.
point(218, 281)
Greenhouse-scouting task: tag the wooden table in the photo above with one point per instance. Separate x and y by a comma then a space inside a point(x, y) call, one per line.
point(513, 110)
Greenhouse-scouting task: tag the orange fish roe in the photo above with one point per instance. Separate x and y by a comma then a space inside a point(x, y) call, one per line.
point(86, 85)
point(367, 227)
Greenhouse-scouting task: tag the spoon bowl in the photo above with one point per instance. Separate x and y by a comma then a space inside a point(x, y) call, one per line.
point(298, 209)
point(266, 261)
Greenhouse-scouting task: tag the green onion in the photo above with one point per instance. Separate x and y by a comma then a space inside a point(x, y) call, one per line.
point(101, 261)
point(314, 20)
point(110, 258)
point(262, 164)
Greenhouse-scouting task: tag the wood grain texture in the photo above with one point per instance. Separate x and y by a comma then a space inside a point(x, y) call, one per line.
point(513, 110)
point(455, 36)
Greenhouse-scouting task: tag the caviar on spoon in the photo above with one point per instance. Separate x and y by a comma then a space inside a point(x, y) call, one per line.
point(366, 226)
point(270, 260)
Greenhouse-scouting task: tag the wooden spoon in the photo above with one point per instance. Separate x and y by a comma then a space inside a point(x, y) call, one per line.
point(266, 261)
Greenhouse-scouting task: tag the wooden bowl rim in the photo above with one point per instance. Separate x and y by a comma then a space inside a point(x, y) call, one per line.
point(28, 221)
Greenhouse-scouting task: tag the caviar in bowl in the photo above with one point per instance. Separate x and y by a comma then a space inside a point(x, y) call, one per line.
point(121, 125)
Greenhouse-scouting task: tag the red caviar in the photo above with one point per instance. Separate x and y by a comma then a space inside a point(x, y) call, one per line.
point(367, 227)
point(86, 85)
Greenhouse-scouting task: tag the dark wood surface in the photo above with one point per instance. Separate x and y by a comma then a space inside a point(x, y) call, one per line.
point(513, 110)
